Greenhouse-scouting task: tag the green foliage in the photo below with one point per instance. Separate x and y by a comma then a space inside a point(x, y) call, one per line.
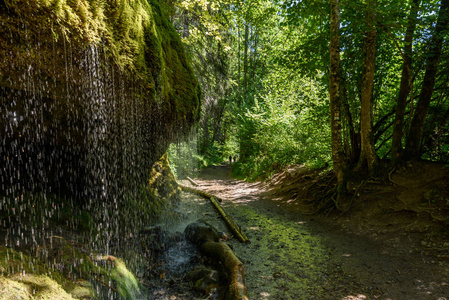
point(288, 124)
point(185, 159)
point(273, 104)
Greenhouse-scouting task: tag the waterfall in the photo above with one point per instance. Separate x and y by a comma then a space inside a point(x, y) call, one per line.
point(91, 95)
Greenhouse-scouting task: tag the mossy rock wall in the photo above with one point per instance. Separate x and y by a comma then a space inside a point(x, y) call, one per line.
point(48, 42)
point(90, 92)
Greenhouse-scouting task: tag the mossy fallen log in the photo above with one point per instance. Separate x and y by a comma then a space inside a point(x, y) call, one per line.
point(192, 181)
point(232, 225)
point(192, 190)
point(205, 237)
point(233, 266)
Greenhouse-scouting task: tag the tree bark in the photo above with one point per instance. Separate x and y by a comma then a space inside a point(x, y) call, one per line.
point(368, 155)
point(239, 55)
point(335, 100)
point(406, 84)
point(245, 60)
point(413, 144)
point(230, 222)
point(254, 57)
point(353, 134)
point(192, 181)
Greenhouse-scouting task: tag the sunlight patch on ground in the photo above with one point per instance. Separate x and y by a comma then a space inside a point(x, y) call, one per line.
point(429, 288)
point(264, 295)
point(358, 297)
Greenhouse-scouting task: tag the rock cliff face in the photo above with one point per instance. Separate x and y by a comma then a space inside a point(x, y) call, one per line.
point(91, 94)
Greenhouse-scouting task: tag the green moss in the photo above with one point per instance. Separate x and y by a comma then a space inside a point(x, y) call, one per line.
point(31, 276)
point(135, 35)
point(23, 275)
point(154, 198)
point(127, 284)
point(32, 287)
point(162, 182)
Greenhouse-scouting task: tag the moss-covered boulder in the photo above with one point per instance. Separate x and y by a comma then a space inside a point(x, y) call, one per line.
point(63, 271)
point(25, 277)
point(162, 181)
point(30, 287)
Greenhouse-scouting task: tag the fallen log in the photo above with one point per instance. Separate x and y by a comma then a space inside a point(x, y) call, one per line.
point(192, 190)
point(192, 181)
point(233, 266)
point(206, 238)
point(234, 227)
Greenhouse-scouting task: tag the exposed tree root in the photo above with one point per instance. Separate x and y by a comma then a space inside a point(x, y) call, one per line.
point(233, 266)
point(206, 238)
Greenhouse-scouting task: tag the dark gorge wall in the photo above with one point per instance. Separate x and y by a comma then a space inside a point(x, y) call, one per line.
point(91, 94)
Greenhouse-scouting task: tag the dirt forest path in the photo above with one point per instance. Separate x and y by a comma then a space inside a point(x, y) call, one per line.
point(293, 257)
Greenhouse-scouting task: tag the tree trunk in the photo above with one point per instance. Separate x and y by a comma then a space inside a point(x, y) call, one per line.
point(335, 101)
point(368, 155)
point(406, 83)
point(245, 60)
point(239, 56)
point(353, 135)
point(413, 144)
point(254, 57)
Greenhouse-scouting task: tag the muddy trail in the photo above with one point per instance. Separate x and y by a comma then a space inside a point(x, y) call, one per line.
point(295, 257)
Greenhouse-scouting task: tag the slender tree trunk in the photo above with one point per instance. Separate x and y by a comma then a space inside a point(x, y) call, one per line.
point(335, 101)
point(250, 57)
point(353, 135)
point(255, 57)
point(368, 155)
point(413, 144)
point(239, 55)
point(406, 83)
point(245, 60)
